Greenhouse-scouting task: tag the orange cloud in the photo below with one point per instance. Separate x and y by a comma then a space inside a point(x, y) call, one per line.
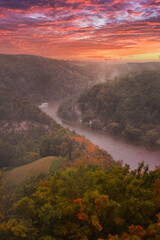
point(76, 29)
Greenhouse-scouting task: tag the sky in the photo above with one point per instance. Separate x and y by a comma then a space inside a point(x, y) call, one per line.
point(88, 30)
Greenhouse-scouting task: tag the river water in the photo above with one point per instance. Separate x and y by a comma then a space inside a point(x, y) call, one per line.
point(120, 149)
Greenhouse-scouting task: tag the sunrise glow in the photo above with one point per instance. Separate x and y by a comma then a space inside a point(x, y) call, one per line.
point(92, 30)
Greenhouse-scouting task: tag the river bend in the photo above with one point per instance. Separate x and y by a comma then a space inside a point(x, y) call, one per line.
point(120, 149)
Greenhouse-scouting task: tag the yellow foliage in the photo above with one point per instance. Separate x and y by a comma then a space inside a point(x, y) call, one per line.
point(14, 229)
point(19, 231)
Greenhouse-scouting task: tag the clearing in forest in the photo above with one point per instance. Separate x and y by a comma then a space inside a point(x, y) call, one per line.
point(22, 173)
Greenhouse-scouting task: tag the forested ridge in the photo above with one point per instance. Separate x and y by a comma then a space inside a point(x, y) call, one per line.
point(14, 107)
point(129, 106)
point(42, 79)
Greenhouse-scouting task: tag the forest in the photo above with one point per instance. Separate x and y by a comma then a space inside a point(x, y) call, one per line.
point(86, 194)
point(129, 106)
point(21, 127)
point(42, 79)
point(28, 134)
point(84, 202)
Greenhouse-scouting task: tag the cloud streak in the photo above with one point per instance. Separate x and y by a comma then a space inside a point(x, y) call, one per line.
point(76, 29)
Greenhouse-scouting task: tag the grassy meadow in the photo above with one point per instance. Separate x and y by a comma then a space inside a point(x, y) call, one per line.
point(20, 174)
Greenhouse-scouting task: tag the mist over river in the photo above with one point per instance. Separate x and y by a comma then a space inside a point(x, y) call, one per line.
point(120, 149)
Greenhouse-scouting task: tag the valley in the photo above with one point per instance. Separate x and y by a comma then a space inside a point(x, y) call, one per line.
point(79, 120)
point(63, 180)
point(127, 107)
point(128, 152)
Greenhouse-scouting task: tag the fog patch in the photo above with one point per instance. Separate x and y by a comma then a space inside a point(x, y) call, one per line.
point(110, 71)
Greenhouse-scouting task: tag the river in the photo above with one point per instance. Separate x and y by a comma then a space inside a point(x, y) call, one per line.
point(120, 149)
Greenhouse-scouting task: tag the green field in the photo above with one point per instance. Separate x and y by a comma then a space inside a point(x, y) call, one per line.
point(22, 173)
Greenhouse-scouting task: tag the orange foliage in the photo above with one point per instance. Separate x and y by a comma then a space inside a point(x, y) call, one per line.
point(43, 183)
point(137, 230)
point(78, 202)
point(95, 223)
point(80, 140)
point(78, 162)
point(83, 216)
point(90, 154)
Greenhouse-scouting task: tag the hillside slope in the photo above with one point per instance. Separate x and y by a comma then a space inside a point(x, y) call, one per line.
point(21, 127)
point(28, 134)
point(129, 106)
point(42, 79)
point(21, 174)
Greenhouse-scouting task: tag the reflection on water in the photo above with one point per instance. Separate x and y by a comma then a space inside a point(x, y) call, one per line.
point(120, 149)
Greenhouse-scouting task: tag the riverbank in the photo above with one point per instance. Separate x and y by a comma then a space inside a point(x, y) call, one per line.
point(70, 111)
point(120, 149)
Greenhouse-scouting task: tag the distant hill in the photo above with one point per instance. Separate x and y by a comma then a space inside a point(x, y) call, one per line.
point(104, 71)
point(129, 106)
point(41, 79)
